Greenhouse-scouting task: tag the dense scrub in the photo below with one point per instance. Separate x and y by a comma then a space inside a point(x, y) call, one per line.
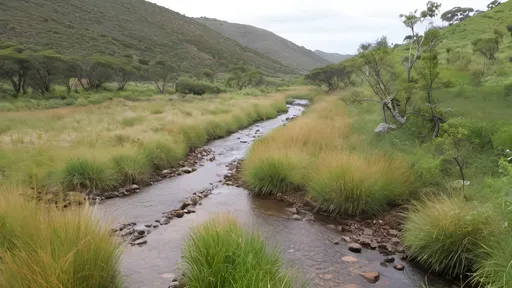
point(220, 253)
point(41, 248)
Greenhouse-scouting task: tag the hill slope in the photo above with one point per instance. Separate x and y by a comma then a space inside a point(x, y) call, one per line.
point(268, 43)
point(124, 28)
point(332, 57)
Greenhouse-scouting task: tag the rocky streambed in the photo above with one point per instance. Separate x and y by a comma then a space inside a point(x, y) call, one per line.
point(326, 252)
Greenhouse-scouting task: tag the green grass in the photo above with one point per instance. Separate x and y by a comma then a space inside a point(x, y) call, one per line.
point(81, 174)
point(220, 253)
point(164, 155)
point(47, 249)
point(495, 270)
point(132, 169)
point(447, 234)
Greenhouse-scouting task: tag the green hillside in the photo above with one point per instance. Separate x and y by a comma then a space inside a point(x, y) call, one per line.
point(268, 43)
point(123, 28)
point(332, 57)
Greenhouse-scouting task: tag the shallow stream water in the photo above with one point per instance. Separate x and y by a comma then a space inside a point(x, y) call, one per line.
point(305, 246)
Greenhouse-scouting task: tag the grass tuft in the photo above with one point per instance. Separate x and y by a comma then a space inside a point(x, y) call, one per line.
point(164, 155)
point(131, 169)
point(446, 234)
point(81, 174)
point(495, 270)
point(220, 253)
point(46, 248)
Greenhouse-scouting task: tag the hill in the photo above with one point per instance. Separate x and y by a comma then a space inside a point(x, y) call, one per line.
point(332, 57)
point(268, 43)
point(123, 28)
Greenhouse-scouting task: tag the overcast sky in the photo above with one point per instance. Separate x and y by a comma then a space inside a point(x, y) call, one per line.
point(329, 25)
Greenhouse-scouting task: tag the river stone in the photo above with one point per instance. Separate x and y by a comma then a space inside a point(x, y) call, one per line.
point(179, 213)
point(393, 232)
point(389, 259)
point(174, 284)
point(166, 172)
point(331, 227)
point(186, 170)
point(371, 277)
point(292, 210)
point(352, 286)
point(139, 242)
point(384, 128)
point(186, 204)
point(156, 225)
point(309, 217)
point(354, 247)
point(165, 221)
point(169, 276)
point(349, 259)
point(191, 209)
point(367, 232)
point(346, 239)
point(395, 240)
point(148, 225)
point(296, 217)
point(325, 276)
point(399, 267)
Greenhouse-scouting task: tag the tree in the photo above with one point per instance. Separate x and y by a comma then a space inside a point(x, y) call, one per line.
point(457, 14)
point(488, 47)
point(14, 67)
point(95, 71)
point(123, 75)
point(429, 72)
point(47, 68)
point(493, 4)
point(243, 76)
point(376, 67)
point(161, 72)
point(331, 76)
point(410, 21)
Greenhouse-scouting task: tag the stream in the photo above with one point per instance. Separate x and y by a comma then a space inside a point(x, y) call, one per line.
point(304, 245)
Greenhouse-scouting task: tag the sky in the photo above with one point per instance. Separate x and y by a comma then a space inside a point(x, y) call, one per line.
point(328, 25)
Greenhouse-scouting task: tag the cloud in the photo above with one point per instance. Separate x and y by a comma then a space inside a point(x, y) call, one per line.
point(328, 25)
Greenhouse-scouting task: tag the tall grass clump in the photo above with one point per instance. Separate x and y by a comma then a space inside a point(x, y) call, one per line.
point(273, 174)
point(220, 253)
point(446, 234)
point(495, 269)
point(351, 184)
point(163, 155)
point(82, 174)
point(131, 169)
point(47, 248)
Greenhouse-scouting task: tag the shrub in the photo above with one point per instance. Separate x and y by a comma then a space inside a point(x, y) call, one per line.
point(41, 248)
point(273, 174)
point(446, 234)
point(157, 110)
point(189, 86)
point(86, 175)
point(143, 61)
point(503, 138)
point(495, 270)
point(352, 185)
point(131, 168)
point(164, 155)
point(507, 90)
point(132, 121)
point(220, 253)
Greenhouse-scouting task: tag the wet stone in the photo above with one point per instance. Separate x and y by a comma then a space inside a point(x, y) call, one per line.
point(354, 247)
point(296, 217)
point(371, 277)
point(346, 239)
point(147, 225)
point(292, 210)
point(349, 259)
point(389, 259)
point(139, 242)
point(367, 232)
point(156, 225)
point(399, 267)
point(393, 232)
point(174, 284)
point(165, 221)
point(331, 227)
point(179, 213)
point(325, 276)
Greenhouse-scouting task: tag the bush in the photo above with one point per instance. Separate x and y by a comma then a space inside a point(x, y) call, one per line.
point(503, 138)
point(189, 86)
point(446, 234)
point(352, 185)
point(41, 248)
point(164, 155)
point(495, 270)
point(507, 90)
point(220, 253)
point(131, 169)
point(86, 175)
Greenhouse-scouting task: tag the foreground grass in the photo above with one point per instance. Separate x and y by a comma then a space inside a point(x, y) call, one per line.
point(220, 253)
point(41, 248)
point(97, 148)
point(317, 153)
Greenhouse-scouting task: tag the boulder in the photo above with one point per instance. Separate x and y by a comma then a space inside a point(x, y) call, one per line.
point(384, 128)
point(371, 277)
point(354, 247)
point(292, 210)
point(179, 213)
point(186, 204)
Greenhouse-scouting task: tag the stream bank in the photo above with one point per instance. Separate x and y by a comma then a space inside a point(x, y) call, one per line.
point(307, 246)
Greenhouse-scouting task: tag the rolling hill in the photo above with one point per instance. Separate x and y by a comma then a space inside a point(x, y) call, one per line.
point(124, 28)
point(268, 43)
point(332, 57)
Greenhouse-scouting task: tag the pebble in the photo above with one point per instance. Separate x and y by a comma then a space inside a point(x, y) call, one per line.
point(296, 217)
point(139, 242)
point(393, 232)
point(389, 259)
point(331, 227)
point(174, 284)
point(148, 225)
point(349, 259)
point(179, 213)
point(292, 210)
point(346, 239)
point(156, 225)
point(354, 247)
point(165, 221)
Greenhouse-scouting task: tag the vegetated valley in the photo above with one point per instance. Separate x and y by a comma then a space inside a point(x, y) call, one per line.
point(399, 171)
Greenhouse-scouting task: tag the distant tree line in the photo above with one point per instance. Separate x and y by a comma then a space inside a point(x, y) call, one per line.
point(22, 68)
